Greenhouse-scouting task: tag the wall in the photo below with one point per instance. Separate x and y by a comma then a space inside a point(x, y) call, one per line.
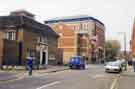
point(29, 42)
point(1, 47)
point(10, 52)
point(53, 52)
point(66, 41)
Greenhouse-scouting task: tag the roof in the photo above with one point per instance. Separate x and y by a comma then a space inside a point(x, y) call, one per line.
point(22, 11)
point(17, 21)
point(72, 19)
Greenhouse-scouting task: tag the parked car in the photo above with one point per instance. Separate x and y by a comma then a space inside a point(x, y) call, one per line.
point(113, 67)
point(77, 62)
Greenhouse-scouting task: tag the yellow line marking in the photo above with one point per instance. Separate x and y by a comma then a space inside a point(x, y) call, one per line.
point(115, 81)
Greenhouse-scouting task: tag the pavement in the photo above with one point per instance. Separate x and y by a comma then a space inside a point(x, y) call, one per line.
point(6, 75)
point(127, 79)
point(94, 77)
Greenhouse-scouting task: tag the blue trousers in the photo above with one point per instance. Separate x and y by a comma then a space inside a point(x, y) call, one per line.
point(134, 67)
point(30, 70)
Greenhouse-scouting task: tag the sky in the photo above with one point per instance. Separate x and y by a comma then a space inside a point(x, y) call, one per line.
point(117, 15)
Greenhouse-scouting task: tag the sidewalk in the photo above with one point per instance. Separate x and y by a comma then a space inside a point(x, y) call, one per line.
point(127, 79)
point(20, 74)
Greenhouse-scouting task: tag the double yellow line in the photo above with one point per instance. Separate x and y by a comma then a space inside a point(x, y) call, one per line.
point(115, 83)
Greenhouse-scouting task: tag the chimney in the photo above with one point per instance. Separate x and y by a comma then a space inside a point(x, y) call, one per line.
point(22, 13)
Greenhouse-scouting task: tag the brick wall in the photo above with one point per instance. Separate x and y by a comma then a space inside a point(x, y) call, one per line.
point(10, 52)
point(29, 43)
point(66, 40)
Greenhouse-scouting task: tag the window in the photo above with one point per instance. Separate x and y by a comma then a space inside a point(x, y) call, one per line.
point(42, 40)
point(31, 52)
point(85, 26)
point(10, 35)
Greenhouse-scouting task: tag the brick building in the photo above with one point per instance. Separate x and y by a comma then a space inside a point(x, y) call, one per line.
point(22, 36)
point(132, 43)
point(66, 41)
point(89, 36)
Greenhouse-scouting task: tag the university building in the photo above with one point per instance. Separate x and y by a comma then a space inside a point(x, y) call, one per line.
point(80, 35)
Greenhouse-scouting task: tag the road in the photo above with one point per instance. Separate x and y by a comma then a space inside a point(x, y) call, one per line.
point(127, 79)
point(93, 77)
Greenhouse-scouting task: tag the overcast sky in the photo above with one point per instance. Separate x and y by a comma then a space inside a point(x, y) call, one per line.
point(117, 15)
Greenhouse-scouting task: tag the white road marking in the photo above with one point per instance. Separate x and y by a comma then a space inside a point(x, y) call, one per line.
point(98, 76)
point(48, 85)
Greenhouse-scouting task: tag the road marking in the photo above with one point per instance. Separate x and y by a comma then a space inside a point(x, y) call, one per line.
point(48, 85)
point(115, 81)
point(99, 76)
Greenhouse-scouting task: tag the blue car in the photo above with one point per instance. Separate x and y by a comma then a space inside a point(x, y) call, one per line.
point(77, 62)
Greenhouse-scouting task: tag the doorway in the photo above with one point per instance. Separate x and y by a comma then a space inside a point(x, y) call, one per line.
point(43, 58)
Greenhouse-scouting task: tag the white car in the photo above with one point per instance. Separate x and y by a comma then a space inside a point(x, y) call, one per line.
point(113, 67)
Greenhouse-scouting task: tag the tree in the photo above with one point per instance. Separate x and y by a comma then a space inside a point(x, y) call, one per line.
point(112, 48)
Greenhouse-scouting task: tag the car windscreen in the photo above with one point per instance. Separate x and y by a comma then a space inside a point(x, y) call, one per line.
point(113, 64)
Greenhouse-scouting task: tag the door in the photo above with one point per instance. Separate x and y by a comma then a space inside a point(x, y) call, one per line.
point(43, 58)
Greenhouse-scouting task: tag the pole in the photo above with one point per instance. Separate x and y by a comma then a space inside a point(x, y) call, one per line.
point(125, 51)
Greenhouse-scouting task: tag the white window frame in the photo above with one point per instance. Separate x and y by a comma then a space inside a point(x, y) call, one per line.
point(12, 33)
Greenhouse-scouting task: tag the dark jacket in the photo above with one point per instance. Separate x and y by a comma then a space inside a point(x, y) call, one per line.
point(134, 63)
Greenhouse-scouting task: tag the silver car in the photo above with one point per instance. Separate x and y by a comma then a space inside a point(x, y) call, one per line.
point(113, 67)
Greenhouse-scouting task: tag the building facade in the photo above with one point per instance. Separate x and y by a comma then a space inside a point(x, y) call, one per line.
point(132, 43)
point(89, 36)
point(66, 41)
point(22, 36)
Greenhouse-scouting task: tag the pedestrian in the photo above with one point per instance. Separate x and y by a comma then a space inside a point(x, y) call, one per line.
point(134, 65)
point(29, 65)
point(124, 64)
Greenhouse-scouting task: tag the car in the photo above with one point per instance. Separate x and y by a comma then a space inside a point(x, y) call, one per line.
point(77, 62)
point(113, 67)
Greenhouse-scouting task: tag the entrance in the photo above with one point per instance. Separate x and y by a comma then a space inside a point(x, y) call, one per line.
point(43, 58)
point(43, 55)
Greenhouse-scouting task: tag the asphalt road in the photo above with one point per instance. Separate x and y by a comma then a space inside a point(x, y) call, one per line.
point(93, 77)
point(127, 80)
point(6, 76)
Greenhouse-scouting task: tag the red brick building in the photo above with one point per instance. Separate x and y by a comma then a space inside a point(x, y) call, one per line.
point(85, 28)
point(132, 43)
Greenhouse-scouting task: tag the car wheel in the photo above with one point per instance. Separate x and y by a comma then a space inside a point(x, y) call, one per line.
point(106, 71)
point(120, 70)
point(82, 67)
point(71, 67)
